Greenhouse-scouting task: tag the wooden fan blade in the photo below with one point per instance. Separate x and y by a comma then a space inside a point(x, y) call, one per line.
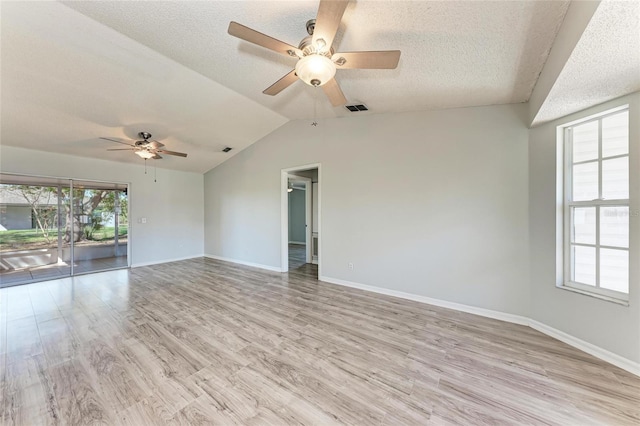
point(255, 37)
point(281, 84)
point(385, 59)
point(122, 149)
point(179, 154)
point(334, 93)
point(155, 145)
point(328, 20)
point(118, 141)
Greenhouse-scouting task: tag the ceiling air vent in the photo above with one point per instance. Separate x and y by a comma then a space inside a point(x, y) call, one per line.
point(227, 149)
point(357, 107)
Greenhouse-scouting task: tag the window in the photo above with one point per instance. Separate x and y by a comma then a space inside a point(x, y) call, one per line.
point(596, 205)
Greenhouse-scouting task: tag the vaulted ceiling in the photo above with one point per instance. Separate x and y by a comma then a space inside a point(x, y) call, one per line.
point(76, 71)
point(453, 53)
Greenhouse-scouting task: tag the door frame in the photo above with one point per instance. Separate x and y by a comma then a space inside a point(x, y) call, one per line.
point(284, 215)
point(308, 213)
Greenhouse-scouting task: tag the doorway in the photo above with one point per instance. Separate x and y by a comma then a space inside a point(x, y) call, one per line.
point(300, 217)
point(301, 220)
point(53, 228)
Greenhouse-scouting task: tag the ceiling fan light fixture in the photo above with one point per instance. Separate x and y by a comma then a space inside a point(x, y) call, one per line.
point(315, 67)
point(145, 154)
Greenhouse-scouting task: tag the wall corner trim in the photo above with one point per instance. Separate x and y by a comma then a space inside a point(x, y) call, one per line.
point(598, 352)
point(591, 349)
point(242, 262)
point(502, 316)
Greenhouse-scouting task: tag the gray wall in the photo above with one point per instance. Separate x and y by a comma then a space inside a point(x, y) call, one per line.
point(173, 206)
point(297, 228)
point(432, 203)
point(15, 217)
point(602, 323)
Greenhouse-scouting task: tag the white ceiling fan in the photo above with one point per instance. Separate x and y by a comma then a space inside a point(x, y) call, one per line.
point(144, 148)
point(317, 62)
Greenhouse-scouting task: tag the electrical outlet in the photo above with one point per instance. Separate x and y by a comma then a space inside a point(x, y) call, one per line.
point(350, 265)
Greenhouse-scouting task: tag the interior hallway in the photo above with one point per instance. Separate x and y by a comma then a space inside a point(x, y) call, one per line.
point(297, 262)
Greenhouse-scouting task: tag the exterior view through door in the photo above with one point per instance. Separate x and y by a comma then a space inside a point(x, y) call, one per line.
point(53, 228)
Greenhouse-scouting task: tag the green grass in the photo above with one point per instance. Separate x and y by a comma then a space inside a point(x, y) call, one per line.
point(107, 233)
point(25, 236)
point(34, 236)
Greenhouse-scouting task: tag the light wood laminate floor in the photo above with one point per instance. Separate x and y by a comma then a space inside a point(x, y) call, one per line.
point(208, 342)
point(297, 256)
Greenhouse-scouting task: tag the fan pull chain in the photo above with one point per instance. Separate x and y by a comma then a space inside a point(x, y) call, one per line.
point(155, 169)
point(145, 166)
point(315, 104)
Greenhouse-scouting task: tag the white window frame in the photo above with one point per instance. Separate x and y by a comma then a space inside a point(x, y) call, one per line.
point(565, 167)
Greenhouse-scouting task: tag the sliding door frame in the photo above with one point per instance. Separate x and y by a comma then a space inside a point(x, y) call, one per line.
point(71, 212)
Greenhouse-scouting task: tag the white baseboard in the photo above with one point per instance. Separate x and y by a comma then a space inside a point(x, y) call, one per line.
point(591, 349)
point(157, 262)
point(516, 319)
point(242, 262)
point(298, 243)
point(617, 360)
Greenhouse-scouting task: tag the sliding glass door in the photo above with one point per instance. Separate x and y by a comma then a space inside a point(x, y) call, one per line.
point(30, 247)
point(99, 229)
point(53, 228)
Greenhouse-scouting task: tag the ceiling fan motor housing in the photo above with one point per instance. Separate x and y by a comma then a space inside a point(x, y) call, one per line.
point(308, 48)
point(311, 26)
point(145, 139)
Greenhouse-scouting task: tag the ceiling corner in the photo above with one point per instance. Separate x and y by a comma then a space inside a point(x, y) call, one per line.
point(573, 26)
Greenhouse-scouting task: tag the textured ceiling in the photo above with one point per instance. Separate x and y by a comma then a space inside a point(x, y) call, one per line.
point(73, 72)
point(67, 80)
point(454, 53)
point(604, 65)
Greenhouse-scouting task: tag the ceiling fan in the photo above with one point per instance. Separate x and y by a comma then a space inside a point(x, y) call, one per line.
point(317, 62)
point(145, 148)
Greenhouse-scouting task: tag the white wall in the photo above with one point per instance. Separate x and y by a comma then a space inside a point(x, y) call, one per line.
point(605, 324)
point(431, 203)
point(173, 206)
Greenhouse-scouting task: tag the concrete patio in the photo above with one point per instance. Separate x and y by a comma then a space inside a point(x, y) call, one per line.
point(59, 270)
